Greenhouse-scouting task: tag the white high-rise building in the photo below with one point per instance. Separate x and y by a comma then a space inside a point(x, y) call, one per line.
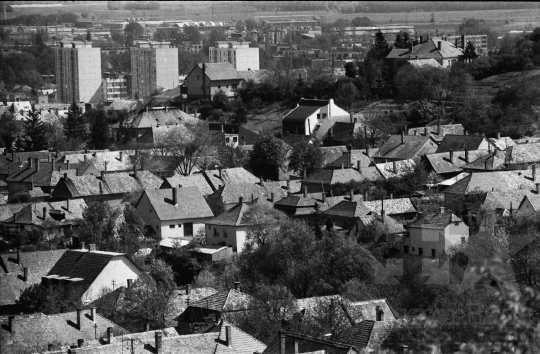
point(239, 54)
point(153, 65)
point(78, 72)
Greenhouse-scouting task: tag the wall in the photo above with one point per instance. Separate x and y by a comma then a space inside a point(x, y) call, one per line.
point(194, 83)
point(89, 75)
point(311, 122)
point(166, 68)
point(119, 269)
point(526, 208)
point(438, 239)
point(225, 86)
point(236, 236)
point(247, 59)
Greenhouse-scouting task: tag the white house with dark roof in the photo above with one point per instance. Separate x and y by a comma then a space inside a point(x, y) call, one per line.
point(175, 212)
point(433, 234)
point(309, 114)
point(206, 79)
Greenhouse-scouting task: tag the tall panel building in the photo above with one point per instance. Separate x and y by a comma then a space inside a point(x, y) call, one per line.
point(239, 54)
point(153, 65)
point(78, 72)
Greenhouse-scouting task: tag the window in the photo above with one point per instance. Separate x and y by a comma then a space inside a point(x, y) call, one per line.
point(318, 116)
point(219, 86)
point(420, 251)
point(188, 229)
point(324, 115)
point(413, 249)
point(225, 233)
point(227, 140)
point(405, 249)
point(235, 139)
point(172, 226)
point(216, 233)
point(433, 253)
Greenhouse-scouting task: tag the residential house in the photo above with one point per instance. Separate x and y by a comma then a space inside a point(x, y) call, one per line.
point(227, 196)
point(143, 121)
point(415, 64)
point(401, 209)
point(212, 253)
point(108, 161)
point(529, 205)
point(323, 180)
point(492, 161)
point(302, 206)
point(438, 131)
point(289, 342)
point(92, 272)
point(484, 211)
point(463, 142)
point(310, 113)
point(352, 159)
point(195, 180)
point(108, 187)
point(395, 169)
point(451, 163)
point(336, 132)
point(520, 156)
point(38, 333)
point(20, 270)
point(445, 53)
point(50, 219)
point(433, 234)
point(207, 79)
point(502, 143)
point(332, 153)
point(223, 176)
point(198, 315)
point(405, 147)
point(232, 135)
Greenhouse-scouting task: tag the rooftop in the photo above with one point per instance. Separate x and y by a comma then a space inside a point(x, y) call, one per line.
point(190, 203)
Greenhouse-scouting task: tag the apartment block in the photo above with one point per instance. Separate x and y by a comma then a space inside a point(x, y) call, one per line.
point(153, 65)
point(116, 86)
point(78, 72)
point(239, 54)
point(479, 41)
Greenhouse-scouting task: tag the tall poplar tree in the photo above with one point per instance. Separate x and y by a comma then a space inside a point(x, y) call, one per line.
point(74, 127)
point(35, 132)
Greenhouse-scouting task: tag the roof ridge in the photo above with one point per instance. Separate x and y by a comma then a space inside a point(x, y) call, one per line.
point(321, 341)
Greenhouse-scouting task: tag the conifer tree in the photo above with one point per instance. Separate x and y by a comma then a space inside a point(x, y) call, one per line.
point(35, 132)
point(380, 48)
point(99, 129)
point(74, 127)
point(470, 51)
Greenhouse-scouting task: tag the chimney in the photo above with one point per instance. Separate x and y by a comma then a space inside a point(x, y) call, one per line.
point(451, 152)
point(188, 289)
point(18, 255)
point(281, 342)
point(52, 165)
point(174, 196)
point(121, 153)
point(219, 172)
point(105, 165)
point(411, 47)
point(228, 336)
point(466, 155)
point(237, 285)
point(272, 197)
point(37, 163)
point(498, 135)
point(240, 200)
point(537, 189)
point(442, 210)
point(351, 194)
point(67, 204)
point(83, 245)
point(342, 166)
point(394, 167)
point(462, 41)
point(29, 162)
point(415, 132)
point(25, 271)
point(67, 167)
point(159, 338)
point(44, 212)
point(110, 335)
point(359, 164)
point(222, 129)
point(421, 39)
point(11, 324)
point(391, 195)
point(425, 131)
point(403, 137)
point(93, 314)
point(367, 149)
point(305, 192)
point(439, 45)
point(129, 283)
point(79, 312)
point(439, 126)
point(305, 173)
point(323, 197)
point(85, 158)
point(80, 342)
point(100, 188)
point(365, 195)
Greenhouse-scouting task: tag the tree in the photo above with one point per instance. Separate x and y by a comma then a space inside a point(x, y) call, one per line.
point(131, 231)
point(240, 26)
point(268, 157)
point(350, 69)
point(403, 40)
point(84, 15)
point(88, 36)
point(50, 300)
point(99, 129)
point(229, 156)
point(347, 95)
point(133, 31)
point(250, 24)
point(361, 22)
point(192, 34)
point(470, 51)
point(74, 126)
point(305, 156)
point(217, 34)
point(98, 226)
point(9, 129)
point(380, 47)
point(34, 131)
point(189, 145)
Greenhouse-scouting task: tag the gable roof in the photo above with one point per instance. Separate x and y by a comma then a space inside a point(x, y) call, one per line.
point(45, 176)
point(502, 143)
point(494, 181)
point(61, 213)
point(190, 203)
point(308, 344)
point(432, 130)
point(232, 217)
point(38, 263)
point(393, 147)
point(391, 206)
point(158, 117)
point(435, 220)
point(427, 49)
point(325, 176)
point(331, 153)
point(506, 200)
point(534, 199)
point(460, 143)
point(348, 209)
point(231, 192)
point(441, 163)
point(34, 332)
point(305, 108)
point(225, 301)
point(220, 71)
point(230, 175)
point(104, 161)
point(491, 161)
point(396, 168)
point(523, 153)
point(352, 160)
point(196, 180)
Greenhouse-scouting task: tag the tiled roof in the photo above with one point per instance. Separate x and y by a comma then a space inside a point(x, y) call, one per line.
point(232, 217)
point(358, 335)
point(456, 129)
point(158, 117)
point(348, 209)
point(242, 343)
point(534, 199)
point(394, 149)
point(502, 143)
point(33, 333)
point(523, 153)
point(196, 180)
point(495, 181)
point(435, 220)
point(190, 204)
point(231, 193)
point(308, 344)
point(427, 50)
point(332, 153)
point(505, 199)
point(492, 161)
point(120, 105)
point(460, 142)
point(162, 164)
point(422, 63)
point(402, 168)
point(355, 157)
point(221, 71)
point(441, 161)
point(527, 140)
point(38, 263)
point(392, 224)
point(310, 303)
point(104, 161)
point(44, 177)
point(68, 212)
point(225, 301)
point(391, 206)
point(304, 109)
point(7, 210)
point(335, 176)
point(231, 175)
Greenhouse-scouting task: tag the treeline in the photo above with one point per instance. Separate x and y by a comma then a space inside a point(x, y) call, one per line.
point(141, 5)
point(40, 20)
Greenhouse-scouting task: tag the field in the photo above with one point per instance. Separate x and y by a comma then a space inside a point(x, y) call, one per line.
point(489, 86)
point(445, 22)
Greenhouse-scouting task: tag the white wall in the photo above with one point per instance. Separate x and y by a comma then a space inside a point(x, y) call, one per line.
point(119, 269)
point(439, 239)
point(526, 208)
point(311, 122)
point(236, 236)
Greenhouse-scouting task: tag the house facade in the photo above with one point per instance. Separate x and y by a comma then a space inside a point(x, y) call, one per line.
point(206, 79)
point(305, 118)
